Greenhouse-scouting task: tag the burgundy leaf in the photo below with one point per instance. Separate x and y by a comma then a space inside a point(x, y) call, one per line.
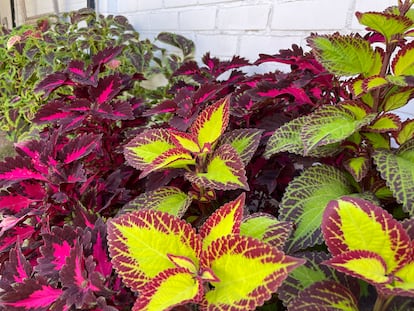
point(51, 113)
point(51, 82)
point(79, 147)
point(17, 169)
point(106, 89)
point(14, 202)
point(20, 233)
point(16, 270)
point(106, 55)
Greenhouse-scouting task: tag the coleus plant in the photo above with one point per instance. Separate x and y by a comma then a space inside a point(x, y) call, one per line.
point(363, 149)
point(225, 266)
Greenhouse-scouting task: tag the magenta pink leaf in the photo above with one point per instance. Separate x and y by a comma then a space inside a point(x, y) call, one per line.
point(51, 82)
point(17, 233)
point(106, 55)
point(106, 89)
point(17, 269)
point(80, 147)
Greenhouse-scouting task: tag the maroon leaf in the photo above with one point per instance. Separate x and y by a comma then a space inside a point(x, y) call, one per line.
point(79, 147)
point(16, 270)
point(106, 55)
point(51, 82)
point(106, 89)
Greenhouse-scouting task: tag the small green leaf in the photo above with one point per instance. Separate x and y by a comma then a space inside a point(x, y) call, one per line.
point(244, 141)
point(374, 82)
point(377, 140)
point(165, 199)
point(397, 100)
point(225, 171)
point(266, 228)
point(397, 168)
point(407, 131)
point(305, 200)
point(403, 63)
point(357, 167)
point(385, 123)
point(345, 55)
point(389, 25)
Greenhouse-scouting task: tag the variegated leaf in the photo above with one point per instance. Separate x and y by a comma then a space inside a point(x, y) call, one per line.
point(139, 244)
point(357, 167)
point(406, 133)
point(397, 100)
point(377, 140)
point(166, 199)
point(325, 295)
point(385, 123)
point(211, 124)
point(185, 141)
point(172, 158)
point(403, 63)
point(266, 228)
point(249, 272)
point(305, 200)
point(331, 124)
point(169, 289)
point(224, 171)
point(346, 55)
point(244, 141)
point(224, 221)
point(403, 282)
point(147, 146)
point(389, 25)
point(353, 224)
point(371, 83)
point(397, 168)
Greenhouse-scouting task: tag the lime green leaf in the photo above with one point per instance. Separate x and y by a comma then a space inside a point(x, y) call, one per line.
point(397, 168)
point(385, 123)
point(357, 167)
point(225, 171)
point(407, 132)
point(353, 224)
point(305, 200)
point(331, 124)
point(211, 124)
point(249, 272)
point(403, 63)
point(389, 25)
point(166, 199)
point(397, 100)
point(147, 146)
point(170, 288)
point(377, 140)
point(403, 284)
point(266, 228)
point(345, 55)
point(356, 87)
point(286, 138)
point(244, 141)
point(139, 244)
point(326, 295)
point(374, 82)
point(172, 158)
point(185, 141)
point(224, 221)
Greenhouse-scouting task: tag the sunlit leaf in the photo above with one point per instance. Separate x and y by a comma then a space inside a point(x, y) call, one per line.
point(244, 141)
point(257, 270)
point(385, 123)
point(305, 200)
point(407, 132)
point(140, 242)
point(397, 100)
point(185, 141)
point(224, 221)
point(403, 62)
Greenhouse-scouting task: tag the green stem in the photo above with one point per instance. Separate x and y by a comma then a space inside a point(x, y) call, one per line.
point(382, 303)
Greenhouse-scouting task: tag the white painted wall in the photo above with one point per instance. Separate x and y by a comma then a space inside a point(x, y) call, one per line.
point(245, 28)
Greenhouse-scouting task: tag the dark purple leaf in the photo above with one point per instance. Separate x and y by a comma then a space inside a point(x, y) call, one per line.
point(51, 113)
point(17, 233)
point(16, 270)
point(79, 147)
point(107, 89)
point(106, 55)
point(51, 82)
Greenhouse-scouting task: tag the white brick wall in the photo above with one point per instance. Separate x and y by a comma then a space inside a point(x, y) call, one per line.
point(242, 27)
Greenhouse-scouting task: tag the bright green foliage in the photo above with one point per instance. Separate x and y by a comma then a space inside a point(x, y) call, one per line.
point(210, 163)
point(169, 264)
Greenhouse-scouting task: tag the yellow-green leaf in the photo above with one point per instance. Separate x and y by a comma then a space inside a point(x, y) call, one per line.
point(406, 133)
point(403, 63)
point(385, 123)
point(358, 167)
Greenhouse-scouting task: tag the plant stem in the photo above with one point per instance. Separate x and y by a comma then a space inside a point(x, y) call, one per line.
point(382, 303)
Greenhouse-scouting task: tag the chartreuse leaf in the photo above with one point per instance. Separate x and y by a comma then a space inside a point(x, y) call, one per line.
point(147, 146)
point(211, 124)
point(140, 243)
point(396, 100)
point(305, 200)
point(244, 141)
point(407, 132)
point(403, 63)
point(185, 141)
point(224, 221)
point(377, 140)
point(354, 224)
point(249, 272)
point(387, 122)
point(372, 83)
point(357, 167)
point(266, 228)
point(346, 55)
point(166, 199)
point(325, 295)
point(170, 288)
point(331, 124)
point(388, 25)
point(172, 158)
point(397, 168)
point(224, 171)
point(403, 282)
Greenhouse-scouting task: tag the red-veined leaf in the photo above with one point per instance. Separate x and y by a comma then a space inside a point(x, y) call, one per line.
point(211, 124)
point(226, 220)
point(358, 167)
point(185, 141)
point(249, 272)
point(225, 171)
point(79, 147)
point(244, 141)
point(139, 244)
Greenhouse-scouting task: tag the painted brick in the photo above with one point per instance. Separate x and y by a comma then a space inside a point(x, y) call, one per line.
point(148, 4)
point(177, 3)
point(253, 17)
point(127, 6)
point(162, 21)
point(202, 19)
point(218, 45)
point(213, 1)
point(311, 15)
